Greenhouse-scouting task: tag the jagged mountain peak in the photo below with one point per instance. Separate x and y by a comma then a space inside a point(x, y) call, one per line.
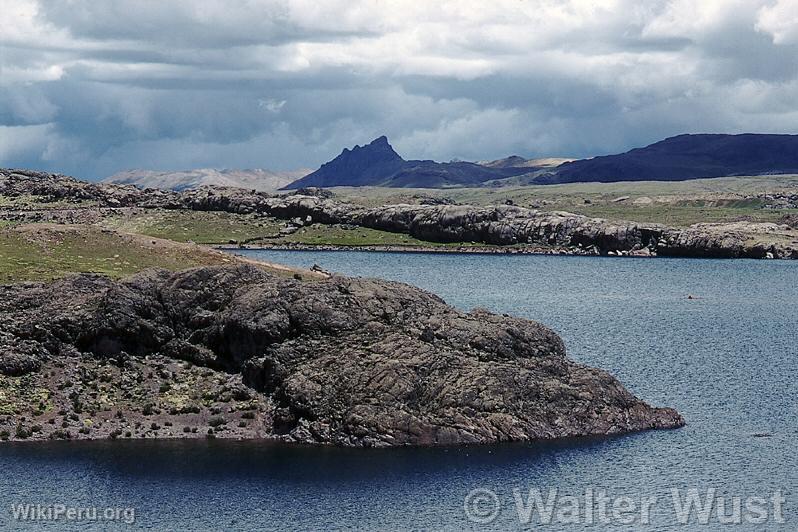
point(378, 148)
point(378, 164)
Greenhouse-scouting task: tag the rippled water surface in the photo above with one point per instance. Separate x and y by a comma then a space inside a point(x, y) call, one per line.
point(726, 359)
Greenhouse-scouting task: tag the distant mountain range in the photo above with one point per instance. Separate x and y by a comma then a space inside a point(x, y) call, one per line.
point(687, 157)
point(257, 179)
point(673, 159)
point(377, 164)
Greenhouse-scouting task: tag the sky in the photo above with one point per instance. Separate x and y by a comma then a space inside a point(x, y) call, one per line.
point(89, 88)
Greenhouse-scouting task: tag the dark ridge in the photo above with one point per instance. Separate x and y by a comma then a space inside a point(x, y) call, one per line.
point(377, 164)
point(687, 157)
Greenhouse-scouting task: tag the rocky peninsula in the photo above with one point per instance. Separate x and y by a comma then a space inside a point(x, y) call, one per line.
point(501, 225)
point(240, 352)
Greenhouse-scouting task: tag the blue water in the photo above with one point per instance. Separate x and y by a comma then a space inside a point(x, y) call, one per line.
point(727, 360)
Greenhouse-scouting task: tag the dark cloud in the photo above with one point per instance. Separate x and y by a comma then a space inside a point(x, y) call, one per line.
point(90, 88)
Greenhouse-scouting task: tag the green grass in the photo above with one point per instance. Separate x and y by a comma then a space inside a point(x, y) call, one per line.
point(337, 235)
point(33, 254)
point(195, 226)
point(38, 202)
point(20, 393)
point(674, 203)
point(222, 228)
point(485, 196)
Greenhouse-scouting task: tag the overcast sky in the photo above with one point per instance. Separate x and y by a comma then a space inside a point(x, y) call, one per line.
point(93, 87)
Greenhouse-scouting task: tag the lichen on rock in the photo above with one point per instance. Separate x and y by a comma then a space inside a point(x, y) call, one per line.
point(344, 361)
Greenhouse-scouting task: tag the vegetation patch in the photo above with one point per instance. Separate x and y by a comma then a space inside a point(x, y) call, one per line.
point(21, 394)
point(82, 404)
point(201, 227)
point(343, 235)
point(43, 252)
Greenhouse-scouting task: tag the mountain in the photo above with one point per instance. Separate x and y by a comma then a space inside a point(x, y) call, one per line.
point(516, 161)
point(673, 159)
point(258, 179)
point(377, 164)
point(686, 157)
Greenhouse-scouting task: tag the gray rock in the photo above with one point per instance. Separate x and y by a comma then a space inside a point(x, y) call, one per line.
point(355, 362)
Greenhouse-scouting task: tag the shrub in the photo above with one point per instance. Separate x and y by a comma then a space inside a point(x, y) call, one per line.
point(216, 421)
point(61, 435)
point(4, 435)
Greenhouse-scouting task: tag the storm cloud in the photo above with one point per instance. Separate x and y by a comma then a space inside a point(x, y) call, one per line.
point(90, 88)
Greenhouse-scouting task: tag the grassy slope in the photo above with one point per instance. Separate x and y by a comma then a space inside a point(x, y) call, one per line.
point(221, 228)
point(195, 226)
point(677, 203)
point(319, 235)
point(38, 252)
point(37, 202)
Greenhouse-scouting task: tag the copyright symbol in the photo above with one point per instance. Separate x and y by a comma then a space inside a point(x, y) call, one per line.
point(481, 506)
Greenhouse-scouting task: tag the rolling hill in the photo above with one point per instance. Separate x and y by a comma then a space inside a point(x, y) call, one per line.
point(258, 179)
point(686, 157)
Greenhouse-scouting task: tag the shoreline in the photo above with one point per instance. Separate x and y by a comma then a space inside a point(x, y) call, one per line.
point(281, 443)
point(645, 253)
point(459, 250)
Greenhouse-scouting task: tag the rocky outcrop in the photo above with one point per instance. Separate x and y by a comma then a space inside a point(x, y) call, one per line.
point(511, 225)
point(506, 225)
point(18, 183)
point(495, 225)
point(354, 362)
point(731, 240)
